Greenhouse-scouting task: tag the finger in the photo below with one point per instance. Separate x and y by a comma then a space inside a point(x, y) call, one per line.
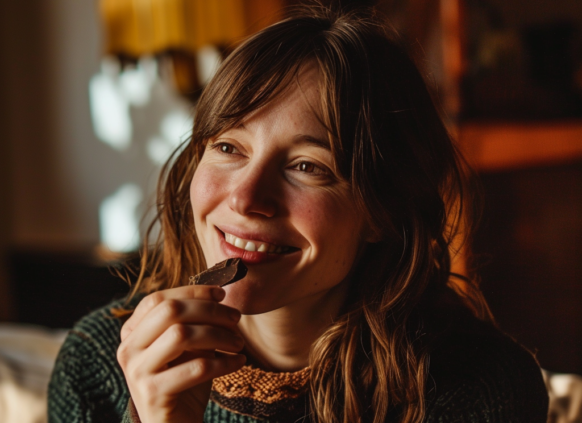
point(170, 312)
point(179, 378)
point(198, 292)
point(179, 338)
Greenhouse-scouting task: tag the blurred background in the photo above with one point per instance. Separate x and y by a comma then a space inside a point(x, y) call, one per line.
point(94, 95)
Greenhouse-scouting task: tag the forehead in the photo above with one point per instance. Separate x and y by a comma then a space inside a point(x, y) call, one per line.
point(299, 104)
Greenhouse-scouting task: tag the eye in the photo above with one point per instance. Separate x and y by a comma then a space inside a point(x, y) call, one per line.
point(224, 147)
point(308, 167)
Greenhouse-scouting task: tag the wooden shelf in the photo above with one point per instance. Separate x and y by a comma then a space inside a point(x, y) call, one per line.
point(503, 146)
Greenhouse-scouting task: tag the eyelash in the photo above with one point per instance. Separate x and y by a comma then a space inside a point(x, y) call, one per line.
point(219, 146)
point(315, 170)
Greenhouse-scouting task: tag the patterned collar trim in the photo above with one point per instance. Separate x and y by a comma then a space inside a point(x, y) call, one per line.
point(260, 394)
point(259, 385)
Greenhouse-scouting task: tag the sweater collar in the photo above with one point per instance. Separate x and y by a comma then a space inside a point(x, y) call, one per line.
point(263, 395)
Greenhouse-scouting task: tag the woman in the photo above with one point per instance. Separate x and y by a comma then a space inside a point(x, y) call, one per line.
point(317, 157)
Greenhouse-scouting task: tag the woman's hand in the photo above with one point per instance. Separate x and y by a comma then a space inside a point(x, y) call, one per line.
point(168, 351)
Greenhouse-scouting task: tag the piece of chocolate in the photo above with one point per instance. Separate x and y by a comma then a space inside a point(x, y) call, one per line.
point(221, 274)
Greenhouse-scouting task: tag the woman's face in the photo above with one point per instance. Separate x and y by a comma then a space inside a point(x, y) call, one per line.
point(266, 192)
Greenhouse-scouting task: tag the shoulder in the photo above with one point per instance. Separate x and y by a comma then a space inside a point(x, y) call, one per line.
point(478, 374)
point(87, 383)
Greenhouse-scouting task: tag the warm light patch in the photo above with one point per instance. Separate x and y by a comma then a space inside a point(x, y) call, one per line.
point(118, 219)
point(175, 127)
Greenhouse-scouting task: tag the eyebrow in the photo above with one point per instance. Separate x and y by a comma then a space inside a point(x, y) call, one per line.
point(308, 139)
point(299, 139)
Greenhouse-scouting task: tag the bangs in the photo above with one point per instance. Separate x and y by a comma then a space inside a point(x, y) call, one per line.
point(255, 74)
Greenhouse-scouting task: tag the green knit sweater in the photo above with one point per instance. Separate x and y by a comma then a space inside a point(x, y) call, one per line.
point(476, 375)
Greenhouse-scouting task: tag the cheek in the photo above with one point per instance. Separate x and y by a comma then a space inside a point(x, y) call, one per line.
point(325, 217)
point(205, 191)
point(333, 228)
point(306, 213)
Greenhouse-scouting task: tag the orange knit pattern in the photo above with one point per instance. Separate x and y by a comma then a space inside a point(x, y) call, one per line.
point(258, 385)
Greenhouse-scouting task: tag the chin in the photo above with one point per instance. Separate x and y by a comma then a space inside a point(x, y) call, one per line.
point(248, 301)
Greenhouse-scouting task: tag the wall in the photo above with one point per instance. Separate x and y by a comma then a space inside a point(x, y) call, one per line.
point(46, 118)
point(54, 171)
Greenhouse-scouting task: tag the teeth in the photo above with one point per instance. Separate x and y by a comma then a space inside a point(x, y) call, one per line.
point(239, 243)
point(252, 246)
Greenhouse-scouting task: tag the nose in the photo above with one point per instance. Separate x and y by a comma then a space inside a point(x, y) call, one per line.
point(255, 192)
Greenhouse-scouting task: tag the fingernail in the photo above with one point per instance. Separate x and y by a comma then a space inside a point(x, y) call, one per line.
point(218, 294)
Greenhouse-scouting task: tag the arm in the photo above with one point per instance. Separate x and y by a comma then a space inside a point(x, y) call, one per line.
point(479, 402)
point(486, 379)
point(87, 384)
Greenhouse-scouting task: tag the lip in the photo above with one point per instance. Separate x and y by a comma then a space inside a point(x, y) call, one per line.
point(249, 257)
point(255, 236)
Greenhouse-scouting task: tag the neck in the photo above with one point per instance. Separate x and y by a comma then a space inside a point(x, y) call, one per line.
point(281, 340)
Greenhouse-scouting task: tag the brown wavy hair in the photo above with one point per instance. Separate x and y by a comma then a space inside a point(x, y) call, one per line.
point(407, 178)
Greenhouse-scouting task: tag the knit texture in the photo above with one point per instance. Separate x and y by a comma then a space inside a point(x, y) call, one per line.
point(476, 375)
point(267, 395)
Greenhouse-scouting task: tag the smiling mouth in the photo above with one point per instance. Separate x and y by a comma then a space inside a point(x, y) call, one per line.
point(261, 247)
